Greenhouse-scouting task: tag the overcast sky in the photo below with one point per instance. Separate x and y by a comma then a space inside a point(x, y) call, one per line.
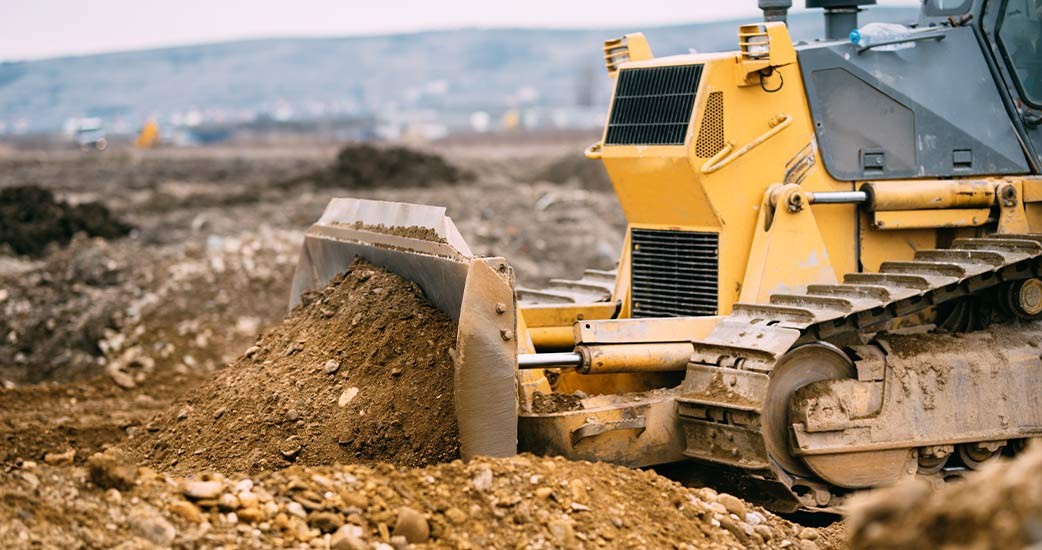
point(31, 29)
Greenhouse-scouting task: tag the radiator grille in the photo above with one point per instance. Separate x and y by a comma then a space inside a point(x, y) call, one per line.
point(711, 132)
point(674, 273)
point(653, 106)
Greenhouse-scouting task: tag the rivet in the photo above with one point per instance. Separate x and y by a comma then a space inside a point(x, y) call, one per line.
point(507, 334)
point(501, 308)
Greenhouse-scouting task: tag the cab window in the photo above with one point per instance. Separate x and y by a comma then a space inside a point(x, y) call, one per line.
point(1020, 33)
point(947, 7)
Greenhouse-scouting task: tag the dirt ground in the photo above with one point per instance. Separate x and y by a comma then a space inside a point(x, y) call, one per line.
point(105, 344)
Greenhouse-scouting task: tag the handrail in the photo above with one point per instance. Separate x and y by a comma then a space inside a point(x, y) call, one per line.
point(917, 38)
point(725, 156)
point(593, 152)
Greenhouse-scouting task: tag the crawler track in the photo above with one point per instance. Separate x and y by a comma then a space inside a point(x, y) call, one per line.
point(863, 417)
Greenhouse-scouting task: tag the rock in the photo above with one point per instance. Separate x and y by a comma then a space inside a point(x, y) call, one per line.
point(733, 504)
point(562, 531)
point(60, 459)
point(296, 509)
point(252, 350)
point(292, 415)
point(544, 492)
point(731, 525)
point(808, 534)
point(201, 490)
point(347, 537)
point(808, 545)
point(148, 524)
point(186, 510)
point(121, 378)
point(325, 521)
point(482, 480)
point(251, 514)
point(111, 470)
point(332, 366)
point(578, 491)
point(228, 502)
point(754, 518)
point(764, 531)
point(412, 525)
point(455, 515)
point(184, 412)
point(347, 396)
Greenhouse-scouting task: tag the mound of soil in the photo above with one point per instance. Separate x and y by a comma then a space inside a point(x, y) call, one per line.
point(519, 502)
point(366, 166)
point(997, 507)
point(31, 218)
point(577, 168)
point(359, 372)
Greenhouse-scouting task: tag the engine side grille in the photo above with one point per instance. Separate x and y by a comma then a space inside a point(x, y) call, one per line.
point(711, 133)
point(674, 273)
point(653, 105)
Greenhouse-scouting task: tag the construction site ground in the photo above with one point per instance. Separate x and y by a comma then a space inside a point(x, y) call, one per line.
point(157, 392)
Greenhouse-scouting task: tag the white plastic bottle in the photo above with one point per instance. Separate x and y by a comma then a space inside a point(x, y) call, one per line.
point(874, 33)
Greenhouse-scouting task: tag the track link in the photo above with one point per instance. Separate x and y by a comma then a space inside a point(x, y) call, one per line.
point(725, 408)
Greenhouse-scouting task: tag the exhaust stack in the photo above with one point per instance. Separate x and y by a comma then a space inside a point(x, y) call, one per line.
point(775, 10)
point(840, 16)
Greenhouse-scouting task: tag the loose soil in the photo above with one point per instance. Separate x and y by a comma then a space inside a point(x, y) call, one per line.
point(360, 372)
point(411, 232)
point(996, 508)
point(31, 219)
point(519, 502)
point(359, 166)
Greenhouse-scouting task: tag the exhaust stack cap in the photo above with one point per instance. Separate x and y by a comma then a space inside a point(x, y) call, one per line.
point(840, 16)
point(775, 10)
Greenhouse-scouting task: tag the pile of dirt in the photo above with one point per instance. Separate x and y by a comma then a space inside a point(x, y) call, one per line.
point(574, 168)
point(360, 166)
point(31, 219)
point(519, 502)
point(359, 372)
point(998, 507)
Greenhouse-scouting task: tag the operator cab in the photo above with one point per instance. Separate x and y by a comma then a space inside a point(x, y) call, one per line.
point(968, 102)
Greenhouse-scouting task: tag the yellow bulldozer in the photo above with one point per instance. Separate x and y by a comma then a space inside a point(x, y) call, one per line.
point(831, 272)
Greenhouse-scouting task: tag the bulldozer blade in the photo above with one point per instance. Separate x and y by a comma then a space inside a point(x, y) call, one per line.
point(420, 244)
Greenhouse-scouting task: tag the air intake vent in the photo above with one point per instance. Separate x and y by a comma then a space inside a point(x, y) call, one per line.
point(674, 273)
point(711, 133)
point(653, 106)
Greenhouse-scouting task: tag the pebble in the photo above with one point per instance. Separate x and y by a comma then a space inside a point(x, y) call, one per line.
point(332, 366)
point(296, 509)
point(733, 504)
point(151, 526)
point(412, 525)
point(200, 490)
point(482, 480)
point(325, 521)
point(252, 350)
point(347, 396)
point(60, 459)
point(455, 515)
point(251, 514)
point(808, 534)
point(186, 510)
point(346, 538)
point(562, 531)
point(754, 518)
point(808, 545)
point(764, 531)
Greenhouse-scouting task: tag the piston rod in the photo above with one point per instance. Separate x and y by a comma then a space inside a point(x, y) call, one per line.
point(549, 360)
point(838, 197)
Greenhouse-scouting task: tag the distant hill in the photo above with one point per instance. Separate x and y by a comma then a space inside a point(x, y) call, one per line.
point(453, 70)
